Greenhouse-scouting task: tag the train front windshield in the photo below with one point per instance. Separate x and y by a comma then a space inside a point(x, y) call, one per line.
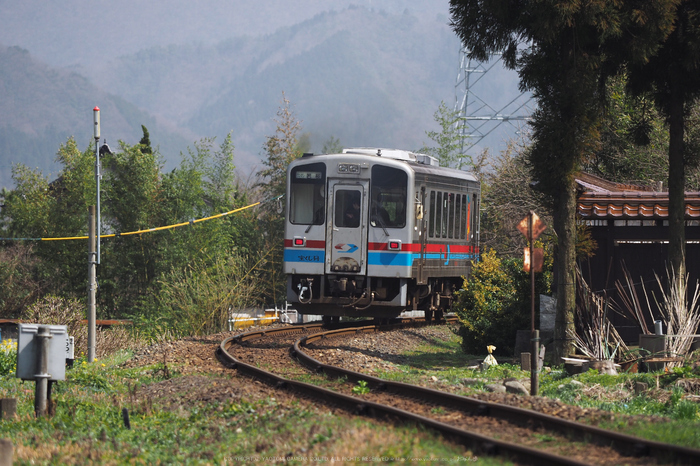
point(307, 204)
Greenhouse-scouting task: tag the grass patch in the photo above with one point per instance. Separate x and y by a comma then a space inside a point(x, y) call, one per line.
point(675, 419)
point(87, 425)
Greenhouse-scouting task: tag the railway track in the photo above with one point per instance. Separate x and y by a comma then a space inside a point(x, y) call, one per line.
point(465, 420)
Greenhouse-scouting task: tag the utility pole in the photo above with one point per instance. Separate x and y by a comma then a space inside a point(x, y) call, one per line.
point(98, 175)
point(94, 245)
point(92, 285)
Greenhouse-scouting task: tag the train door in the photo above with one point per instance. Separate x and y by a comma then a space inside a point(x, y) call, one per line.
point(422, 224)
point(347, 245)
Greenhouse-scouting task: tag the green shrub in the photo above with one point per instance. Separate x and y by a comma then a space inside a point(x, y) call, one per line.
point(200, 299)
point(495, 303)
point(23, 278)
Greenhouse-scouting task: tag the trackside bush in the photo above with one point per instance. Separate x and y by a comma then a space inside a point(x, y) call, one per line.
point(495, 303)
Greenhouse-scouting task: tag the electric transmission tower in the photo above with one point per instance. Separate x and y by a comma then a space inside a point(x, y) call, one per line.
point(477, 117)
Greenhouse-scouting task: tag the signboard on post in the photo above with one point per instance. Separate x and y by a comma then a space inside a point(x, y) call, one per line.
point(532, 227)
point(537, 259)
point(538, 227)
point(28, 349)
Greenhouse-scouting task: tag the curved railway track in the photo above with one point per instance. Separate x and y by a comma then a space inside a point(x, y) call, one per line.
point(465, 420)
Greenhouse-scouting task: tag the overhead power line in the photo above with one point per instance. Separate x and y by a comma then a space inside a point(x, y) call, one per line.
point(478, 115)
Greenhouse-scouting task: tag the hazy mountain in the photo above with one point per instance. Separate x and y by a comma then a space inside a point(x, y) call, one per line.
point(367, 78)
point(205, 68)
point(40, 107)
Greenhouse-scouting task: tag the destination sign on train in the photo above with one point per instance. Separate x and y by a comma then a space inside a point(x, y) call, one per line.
point(309, 175)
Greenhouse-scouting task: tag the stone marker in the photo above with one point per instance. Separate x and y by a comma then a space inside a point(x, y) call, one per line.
point(6, 452)
point(640, 387)
point(525, 361)
point(8, 408)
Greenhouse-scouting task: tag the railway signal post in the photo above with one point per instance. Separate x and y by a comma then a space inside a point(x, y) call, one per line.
point(531, 226)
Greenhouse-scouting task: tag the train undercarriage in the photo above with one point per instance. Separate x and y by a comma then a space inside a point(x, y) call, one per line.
point(361, 296)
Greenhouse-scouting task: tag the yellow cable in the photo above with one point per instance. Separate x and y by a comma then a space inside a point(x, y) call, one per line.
point(156, 228)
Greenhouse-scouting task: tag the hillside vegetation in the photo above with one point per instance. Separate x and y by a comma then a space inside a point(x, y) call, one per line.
point(42, 107)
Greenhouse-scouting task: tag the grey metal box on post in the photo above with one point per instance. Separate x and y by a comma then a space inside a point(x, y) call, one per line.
point(28, 348)
point(655, 346)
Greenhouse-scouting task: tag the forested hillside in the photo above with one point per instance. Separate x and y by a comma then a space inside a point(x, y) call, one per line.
point(366, 77)
point(42, 106)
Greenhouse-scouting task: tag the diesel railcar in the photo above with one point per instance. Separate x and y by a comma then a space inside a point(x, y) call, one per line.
point(374, 232)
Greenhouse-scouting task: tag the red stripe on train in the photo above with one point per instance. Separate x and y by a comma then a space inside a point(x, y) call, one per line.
point(430, 248)
point(310, 243)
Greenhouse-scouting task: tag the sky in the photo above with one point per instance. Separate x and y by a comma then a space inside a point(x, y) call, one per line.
point(70, 32)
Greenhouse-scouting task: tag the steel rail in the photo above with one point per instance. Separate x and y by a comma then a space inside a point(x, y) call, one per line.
point(626, 445)
point(401, 322)
point(480, 444)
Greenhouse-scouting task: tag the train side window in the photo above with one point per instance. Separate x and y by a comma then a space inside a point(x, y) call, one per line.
point(388, 197)
point(307, 204)
point(438, 216)
point(475, 218)
point(431, 222)
point(450, 215)
point(458, 216)
point(464, 217)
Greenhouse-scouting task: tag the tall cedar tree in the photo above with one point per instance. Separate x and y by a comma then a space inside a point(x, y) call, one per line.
point(450, 141)
point(558, 49)
point(673, 76)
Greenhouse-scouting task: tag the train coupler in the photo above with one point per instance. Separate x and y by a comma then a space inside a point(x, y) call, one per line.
point(304, 287)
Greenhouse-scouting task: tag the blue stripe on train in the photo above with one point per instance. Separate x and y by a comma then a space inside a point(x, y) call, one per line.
point(406, 259)
point(306, 256)
point(402, 259)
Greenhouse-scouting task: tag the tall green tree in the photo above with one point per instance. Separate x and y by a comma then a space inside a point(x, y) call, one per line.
point(634, 138)
point(145, 141)
point(279, 150)
point(37, 208)
point(131, 201)
point(450, 141)
point(558, 48)
point(332, 146)
point(672, 75)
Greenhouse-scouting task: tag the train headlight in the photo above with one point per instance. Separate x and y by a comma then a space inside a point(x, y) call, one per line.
point(348, 168)
point(299, 242)
point(394, 245)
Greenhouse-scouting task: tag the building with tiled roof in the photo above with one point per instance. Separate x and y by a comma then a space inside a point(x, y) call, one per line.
point(630, 225)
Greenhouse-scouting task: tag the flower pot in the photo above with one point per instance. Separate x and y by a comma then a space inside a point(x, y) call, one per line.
point(631, 366)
